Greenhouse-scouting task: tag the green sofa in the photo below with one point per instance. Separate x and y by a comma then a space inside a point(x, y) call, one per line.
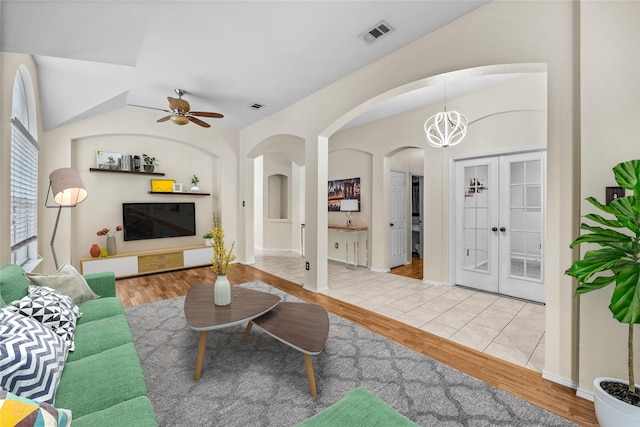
point(102, 382)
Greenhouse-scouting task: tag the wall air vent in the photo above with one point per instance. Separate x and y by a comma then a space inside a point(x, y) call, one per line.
point(374, 33)
point(256, 106)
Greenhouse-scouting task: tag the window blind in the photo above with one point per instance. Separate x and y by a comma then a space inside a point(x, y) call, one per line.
point(24, 185)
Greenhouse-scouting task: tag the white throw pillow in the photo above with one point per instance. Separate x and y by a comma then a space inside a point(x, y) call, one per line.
point(67, 280)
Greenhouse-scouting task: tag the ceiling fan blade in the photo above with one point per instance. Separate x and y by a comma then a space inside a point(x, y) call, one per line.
point(174, 103)
point(199, 122)
point(150, 108)
point(164, 119)
point(206, 114)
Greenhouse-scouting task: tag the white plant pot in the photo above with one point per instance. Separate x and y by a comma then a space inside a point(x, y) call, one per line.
point(208, 242)
point(612, 412)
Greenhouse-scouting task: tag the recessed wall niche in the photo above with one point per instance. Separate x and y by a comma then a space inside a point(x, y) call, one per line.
point(277, 196)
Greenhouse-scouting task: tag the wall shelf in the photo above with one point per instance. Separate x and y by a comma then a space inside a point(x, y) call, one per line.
point(184, 193)
point(129, 172)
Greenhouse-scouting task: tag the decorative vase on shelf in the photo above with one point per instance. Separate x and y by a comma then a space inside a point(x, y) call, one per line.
point(94, 251)
point(111, 245)
point(222, 291)
point(194, 189)
point(103, 252)
point(148, 168)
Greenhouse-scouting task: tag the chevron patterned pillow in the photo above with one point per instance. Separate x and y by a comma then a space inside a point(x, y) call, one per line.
point(52, 309)
point(32, 357)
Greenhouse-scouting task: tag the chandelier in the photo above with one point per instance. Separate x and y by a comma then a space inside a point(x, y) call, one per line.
point(446, 128)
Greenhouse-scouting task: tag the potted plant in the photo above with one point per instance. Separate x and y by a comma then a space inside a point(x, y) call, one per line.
point(149, 163)
point(616, 262)
point(194, 181)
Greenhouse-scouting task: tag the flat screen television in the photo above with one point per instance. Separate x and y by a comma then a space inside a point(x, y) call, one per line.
point(158, 220)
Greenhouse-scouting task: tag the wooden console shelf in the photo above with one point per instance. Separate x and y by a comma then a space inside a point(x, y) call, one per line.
point(184, 193)
point(129, 172)
point(146, 262)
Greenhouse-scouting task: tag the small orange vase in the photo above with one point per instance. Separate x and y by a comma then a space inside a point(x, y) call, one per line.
point(95, 250)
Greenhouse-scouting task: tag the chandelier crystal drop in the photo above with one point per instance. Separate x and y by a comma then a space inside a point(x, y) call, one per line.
point(445, 129)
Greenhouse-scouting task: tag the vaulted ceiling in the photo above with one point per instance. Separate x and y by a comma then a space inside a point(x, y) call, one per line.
point(97, 56)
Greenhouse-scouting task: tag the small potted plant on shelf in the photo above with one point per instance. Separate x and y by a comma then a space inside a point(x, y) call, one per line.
point(617, 262)
point(194, 181)
point(208, 238)
point(149, 163)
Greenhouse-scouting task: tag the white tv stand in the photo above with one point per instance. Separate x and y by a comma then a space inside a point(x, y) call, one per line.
point(146, 262)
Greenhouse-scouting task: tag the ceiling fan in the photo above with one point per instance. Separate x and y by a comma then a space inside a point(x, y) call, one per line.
point(181, 113)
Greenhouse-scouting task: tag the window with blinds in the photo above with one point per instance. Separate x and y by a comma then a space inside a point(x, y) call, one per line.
point(24, 179)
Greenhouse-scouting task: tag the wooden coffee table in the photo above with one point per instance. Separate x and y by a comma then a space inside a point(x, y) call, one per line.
point(204, 316)
point(302, 326)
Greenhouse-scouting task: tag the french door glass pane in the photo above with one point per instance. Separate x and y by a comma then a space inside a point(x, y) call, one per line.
point(525, 244)
point(476, 218)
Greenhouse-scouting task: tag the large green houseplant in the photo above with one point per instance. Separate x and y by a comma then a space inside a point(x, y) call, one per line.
point(617, 261)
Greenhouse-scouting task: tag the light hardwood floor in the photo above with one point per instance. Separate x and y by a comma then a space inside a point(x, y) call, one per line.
point(519, 381)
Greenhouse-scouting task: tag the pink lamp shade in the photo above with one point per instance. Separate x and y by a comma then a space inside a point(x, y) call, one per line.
point(67, 187)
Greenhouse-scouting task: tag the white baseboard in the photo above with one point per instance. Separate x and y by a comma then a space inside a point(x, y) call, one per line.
point(433, 282)
point(379, 270)
point(559, 380)
point(585, 394)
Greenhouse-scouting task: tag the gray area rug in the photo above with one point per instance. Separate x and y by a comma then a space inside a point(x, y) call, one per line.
point(263, 382)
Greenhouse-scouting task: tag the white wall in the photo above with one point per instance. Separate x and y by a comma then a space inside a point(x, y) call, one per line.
point(181, 150)
point(497, 33)
point(610, 130)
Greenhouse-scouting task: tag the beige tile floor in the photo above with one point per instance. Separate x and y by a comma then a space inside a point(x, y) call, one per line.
point(503, 327)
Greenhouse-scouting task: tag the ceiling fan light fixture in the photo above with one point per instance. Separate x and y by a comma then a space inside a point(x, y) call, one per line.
point(179, 119)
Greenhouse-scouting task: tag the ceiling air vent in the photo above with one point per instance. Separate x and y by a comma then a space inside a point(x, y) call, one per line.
point(374, 33)
point(256, 106)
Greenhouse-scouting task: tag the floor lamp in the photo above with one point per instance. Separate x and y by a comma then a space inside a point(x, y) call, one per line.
point(68, 190)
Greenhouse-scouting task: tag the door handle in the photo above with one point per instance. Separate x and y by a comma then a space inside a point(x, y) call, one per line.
point(391, 225)
point(503, 229)
point(494, 229)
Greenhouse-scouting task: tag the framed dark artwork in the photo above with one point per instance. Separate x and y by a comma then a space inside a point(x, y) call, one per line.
point(614, 193)
point(343, 189)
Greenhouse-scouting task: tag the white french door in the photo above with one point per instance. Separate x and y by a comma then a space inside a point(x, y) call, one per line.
point(499, 224)
point(397, 220)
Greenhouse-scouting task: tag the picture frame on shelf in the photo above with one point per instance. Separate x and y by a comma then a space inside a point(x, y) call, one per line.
point(111, 160)
point(177, 187)
point(162, 185)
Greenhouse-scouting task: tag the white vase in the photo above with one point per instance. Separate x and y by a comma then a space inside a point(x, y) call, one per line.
point(111, 245)
point(611, 411)
point(208, 242)
point(222, 291)
point(194, 189)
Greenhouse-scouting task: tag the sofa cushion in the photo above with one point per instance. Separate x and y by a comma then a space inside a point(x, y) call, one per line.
point(22, 412)
point(31, 357)
point(48, 309)
point(136, 412)
point(100, 309)
point(358, 408)
point(66, 280)
point(13, 284)
point(100, 335)
point(97, 382)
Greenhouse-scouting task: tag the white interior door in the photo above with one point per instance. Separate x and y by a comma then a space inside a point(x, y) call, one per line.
point(499, 224)
point(522, 225)
point(397, 220)
point(476, 196)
